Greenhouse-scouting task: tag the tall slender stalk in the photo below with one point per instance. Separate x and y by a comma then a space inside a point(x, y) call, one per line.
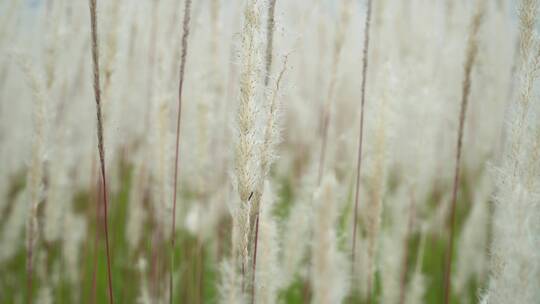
point(361, 133)
point(101, 148)
point(266, 161)
point(268, 142)
point(472, 50)
point(185, 34)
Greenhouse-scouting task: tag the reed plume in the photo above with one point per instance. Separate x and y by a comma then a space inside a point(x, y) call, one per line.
point(514, 267)
point(248, 148)
point(328, 275)
point(185, 35)
point(470, 57)
point(361, 131)
point(35, 174)
point(375, 204)
point(271, 138)
point(100, 135)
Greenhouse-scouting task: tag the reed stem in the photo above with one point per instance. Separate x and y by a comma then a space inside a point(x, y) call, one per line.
point(101, 148)
point(185, 34)
point(472, 50)
point(361, 127)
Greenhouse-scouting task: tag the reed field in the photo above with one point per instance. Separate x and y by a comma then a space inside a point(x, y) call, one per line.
point(270, 151)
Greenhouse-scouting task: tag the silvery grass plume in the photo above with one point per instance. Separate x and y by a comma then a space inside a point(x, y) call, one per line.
point(248, 145)
point(374, 208)
point(35, 172)
point(329, 279)
point(470, 58)
point(100, 135)
point(514, 265)
point(182, 68)
point(247, 150)
point(365, 58)
point(270, 140)
point(267, 271)
point(272, 128)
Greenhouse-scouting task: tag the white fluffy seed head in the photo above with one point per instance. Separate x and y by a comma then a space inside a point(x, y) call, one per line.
point(329, 279)
point(35, 172)
point(247, 150)
point(514, 264)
